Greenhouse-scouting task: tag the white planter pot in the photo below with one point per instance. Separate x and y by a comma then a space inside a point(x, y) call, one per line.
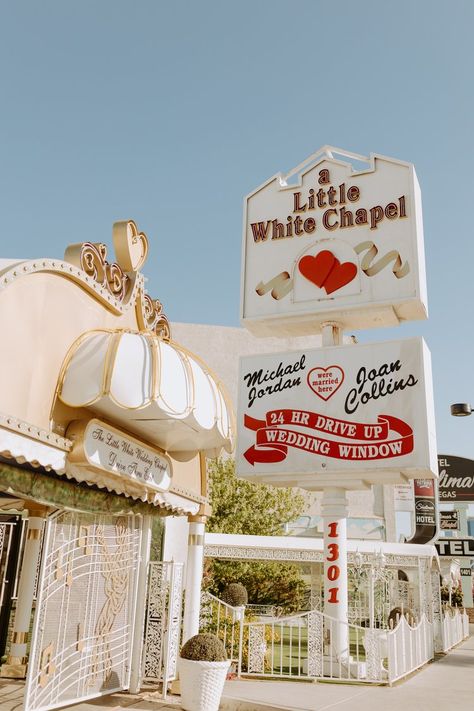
point(201, 684)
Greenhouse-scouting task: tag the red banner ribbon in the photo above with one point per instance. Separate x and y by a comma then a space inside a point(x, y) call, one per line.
point(272, 439)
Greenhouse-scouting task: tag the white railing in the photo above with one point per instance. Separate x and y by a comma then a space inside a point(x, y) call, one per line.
point(226, 622)
point(300, 647)
point(408, 648)
point(312, 645)
point(455, 628)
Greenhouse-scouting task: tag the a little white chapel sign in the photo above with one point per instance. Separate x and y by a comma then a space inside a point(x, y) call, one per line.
point(337, 243)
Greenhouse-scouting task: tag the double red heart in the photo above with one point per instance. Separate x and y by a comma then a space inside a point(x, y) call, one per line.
point(326, 271)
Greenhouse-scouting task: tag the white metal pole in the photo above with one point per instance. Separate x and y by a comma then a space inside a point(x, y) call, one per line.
point(137, 639)
point(192, 596)
point(371, 596)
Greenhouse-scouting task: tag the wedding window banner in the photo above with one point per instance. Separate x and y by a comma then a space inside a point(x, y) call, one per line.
point(350, 415)
point(329, 241)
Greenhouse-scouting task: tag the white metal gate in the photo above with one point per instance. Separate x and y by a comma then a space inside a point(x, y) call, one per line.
point(163, 622)
point(85, 609)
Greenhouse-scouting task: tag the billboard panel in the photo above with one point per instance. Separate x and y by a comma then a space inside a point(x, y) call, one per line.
point(339, 416)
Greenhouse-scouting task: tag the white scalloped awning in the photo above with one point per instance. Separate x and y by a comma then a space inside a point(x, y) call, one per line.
point(155, 389)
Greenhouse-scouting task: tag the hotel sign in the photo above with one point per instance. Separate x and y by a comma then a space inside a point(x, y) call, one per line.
point(338, 244)
point(456, 478)
point(339, 416)
point(455, 547)
point(106, 449)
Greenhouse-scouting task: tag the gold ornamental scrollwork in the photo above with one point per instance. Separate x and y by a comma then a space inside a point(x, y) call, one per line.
point(151, 317)
point(109, 275)
point(122, 279)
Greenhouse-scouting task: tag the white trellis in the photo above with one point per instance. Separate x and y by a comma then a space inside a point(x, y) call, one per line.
point(376, 572)
point(384, 578)
point(163, 622)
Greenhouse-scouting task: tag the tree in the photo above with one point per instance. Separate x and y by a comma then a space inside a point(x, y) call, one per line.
point(242, 507)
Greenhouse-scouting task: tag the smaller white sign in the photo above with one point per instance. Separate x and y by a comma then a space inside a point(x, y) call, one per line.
point(109, 450)
point(403, 497)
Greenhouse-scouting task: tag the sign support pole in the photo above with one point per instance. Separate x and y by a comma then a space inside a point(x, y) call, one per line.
point(334, 511)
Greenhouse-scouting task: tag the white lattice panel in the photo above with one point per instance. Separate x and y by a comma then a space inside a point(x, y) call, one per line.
point(163, 621)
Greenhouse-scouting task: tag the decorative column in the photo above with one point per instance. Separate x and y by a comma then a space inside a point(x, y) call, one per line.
point(194, 566)
point(334, 510)
point(137, 640)
point(15, 666)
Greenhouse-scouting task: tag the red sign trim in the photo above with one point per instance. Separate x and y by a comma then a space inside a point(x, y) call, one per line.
point(272, 440)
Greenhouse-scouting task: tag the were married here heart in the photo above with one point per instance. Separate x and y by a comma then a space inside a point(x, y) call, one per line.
point(324, 382)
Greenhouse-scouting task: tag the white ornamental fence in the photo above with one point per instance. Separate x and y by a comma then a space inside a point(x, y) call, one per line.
point(408, 648)
point(299, 646)
point(455, 627)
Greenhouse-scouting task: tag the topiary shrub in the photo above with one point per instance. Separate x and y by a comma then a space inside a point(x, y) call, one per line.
point(235, 595)
point(395, 615)
point(204, 648)
point(456, 596)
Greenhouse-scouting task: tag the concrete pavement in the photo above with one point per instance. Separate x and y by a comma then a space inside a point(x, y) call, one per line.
point(447, 683)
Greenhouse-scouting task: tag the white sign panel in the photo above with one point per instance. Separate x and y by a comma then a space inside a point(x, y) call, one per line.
point(403, 497)
point(343, 416)
point(339, 244)
point(109, 450)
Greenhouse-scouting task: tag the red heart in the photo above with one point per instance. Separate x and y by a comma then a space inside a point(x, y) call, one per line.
point(341, 274)
point(317, 269)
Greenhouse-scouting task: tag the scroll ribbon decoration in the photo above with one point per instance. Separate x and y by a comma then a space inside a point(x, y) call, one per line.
point(281, 284)
point(363, 441)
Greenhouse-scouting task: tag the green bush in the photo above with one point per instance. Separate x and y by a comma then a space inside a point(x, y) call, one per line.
point(204, 648)
point(456, 596)
point(235, 595)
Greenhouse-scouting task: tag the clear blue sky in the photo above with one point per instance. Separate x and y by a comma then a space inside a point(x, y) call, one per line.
point(170, 112)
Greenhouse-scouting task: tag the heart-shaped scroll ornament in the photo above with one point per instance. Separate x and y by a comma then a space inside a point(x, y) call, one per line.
point(131, 246)
point(324, 382)
point(325, 271)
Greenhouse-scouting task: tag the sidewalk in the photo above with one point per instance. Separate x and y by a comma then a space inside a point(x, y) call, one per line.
point(447, 683)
